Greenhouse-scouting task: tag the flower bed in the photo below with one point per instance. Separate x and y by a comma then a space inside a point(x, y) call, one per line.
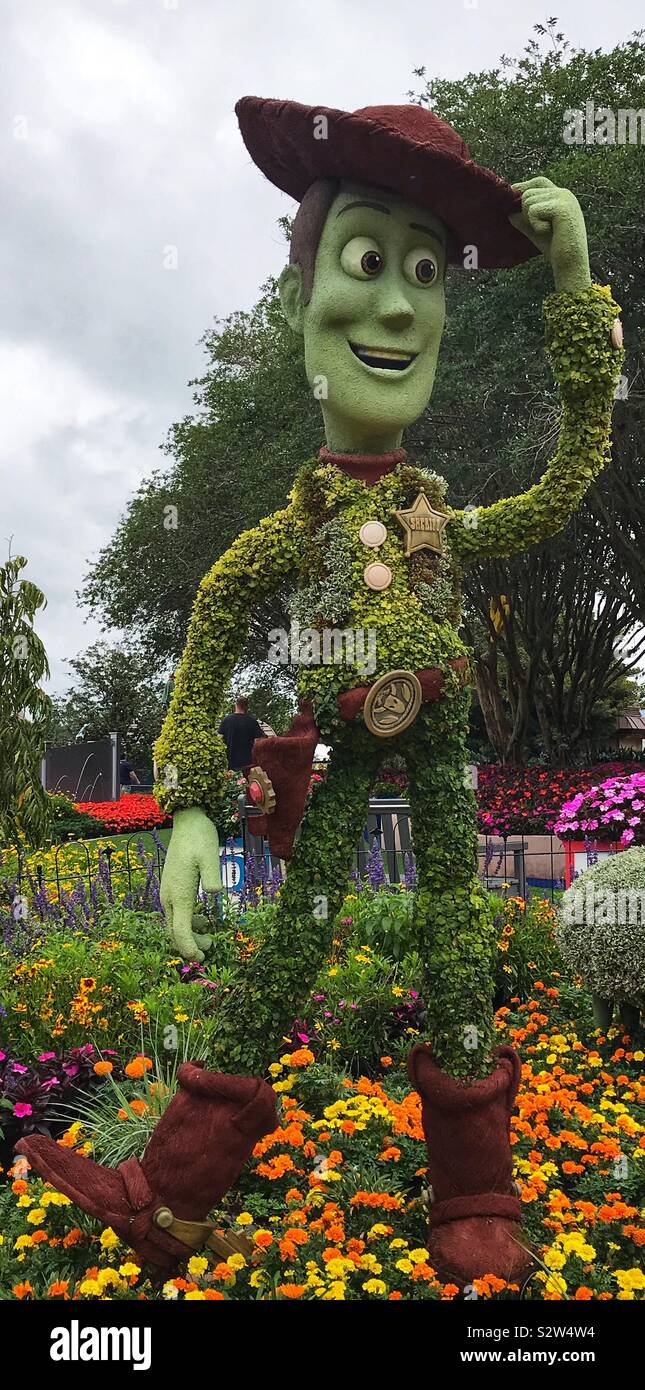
point(333, 1201)
point(527, 800)
point(615, 805)
point(138, 811)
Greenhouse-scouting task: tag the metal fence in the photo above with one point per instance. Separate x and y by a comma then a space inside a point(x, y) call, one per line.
point(508, 865)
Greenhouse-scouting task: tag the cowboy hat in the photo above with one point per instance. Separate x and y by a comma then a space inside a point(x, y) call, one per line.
point(406, 150)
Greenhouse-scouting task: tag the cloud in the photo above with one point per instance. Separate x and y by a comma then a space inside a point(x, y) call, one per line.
point(119, 141)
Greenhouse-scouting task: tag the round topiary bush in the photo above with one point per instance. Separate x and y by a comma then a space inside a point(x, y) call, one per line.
point(601, 933)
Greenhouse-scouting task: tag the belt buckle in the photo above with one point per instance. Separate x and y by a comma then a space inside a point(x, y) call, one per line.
point(392, 703)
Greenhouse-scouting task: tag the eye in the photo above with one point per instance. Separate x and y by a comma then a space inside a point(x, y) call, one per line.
point(420, 267)
point(361, 258)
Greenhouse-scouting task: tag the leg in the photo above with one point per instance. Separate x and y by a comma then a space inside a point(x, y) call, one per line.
point(452, 913)
point(278, 977)
point(467, 1094)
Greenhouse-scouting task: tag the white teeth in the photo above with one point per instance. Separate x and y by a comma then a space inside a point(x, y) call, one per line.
point(386, 353)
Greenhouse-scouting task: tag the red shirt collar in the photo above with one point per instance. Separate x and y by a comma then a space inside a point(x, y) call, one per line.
point(369, 468)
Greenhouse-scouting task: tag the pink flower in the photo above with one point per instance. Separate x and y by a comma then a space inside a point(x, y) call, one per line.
point(17, 1066)
point(47, 1056)
point(21, 1109)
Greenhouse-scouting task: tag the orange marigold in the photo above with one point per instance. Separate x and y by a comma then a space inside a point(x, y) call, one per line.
point(138, 1067)
point(24, 1290)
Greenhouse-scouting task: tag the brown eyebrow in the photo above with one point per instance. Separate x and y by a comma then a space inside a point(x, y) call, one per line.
point(364, 203)
point(419, 227)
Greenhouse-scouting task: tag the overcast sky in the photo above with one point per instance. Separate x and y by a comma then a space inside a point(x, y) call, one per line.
point(119, 141)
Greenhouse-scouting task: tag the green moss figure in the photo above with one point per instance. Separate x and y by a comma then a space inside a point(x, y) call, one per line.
point(365, 288)
point(388, 196)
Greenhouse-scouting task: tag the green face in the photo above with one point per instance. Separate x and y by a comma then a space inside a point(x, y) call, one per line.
point(373, 325)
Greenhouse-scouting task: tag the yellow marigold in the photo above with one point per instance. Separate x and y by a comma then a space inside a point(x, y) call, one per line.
point(375, 1286)
point(36, 1216)
point(109, 1238)
point(197, 1265)
point(90, 1287)
point(630, 1279)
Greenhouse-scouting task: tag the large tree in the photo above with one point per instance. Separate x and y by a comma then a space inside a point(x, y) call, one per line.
point(492, 421)
point(112, 690)
point(25, 710)
point(490, 426)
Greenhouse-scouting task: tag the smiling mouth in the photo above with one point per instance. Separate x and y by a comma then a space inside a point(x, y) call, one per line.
point(387, 358)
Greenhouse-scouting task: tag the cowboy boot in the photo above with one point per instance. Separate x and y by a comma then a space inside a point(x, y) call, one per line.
point(195, 1153)
point(475, 1213)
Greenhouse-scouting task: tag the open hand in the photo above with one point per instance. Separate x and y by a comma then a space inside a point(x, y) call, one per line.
point(193, 854)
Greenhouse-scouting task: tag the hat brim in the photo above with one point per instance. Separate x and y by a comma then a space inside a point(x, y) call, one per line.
point(472, 202)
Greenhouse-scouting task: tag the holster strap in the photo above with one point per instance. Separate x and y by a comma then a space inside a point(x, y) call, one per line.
point(477, 1204)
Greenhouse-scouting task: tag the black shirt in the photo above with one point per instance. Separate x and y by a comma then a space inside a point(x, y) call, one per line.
point(239, 732)
point(125, 769)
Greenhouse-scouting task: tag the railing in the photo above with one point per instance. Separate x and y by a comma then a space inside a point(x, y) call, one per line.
point(510, 865)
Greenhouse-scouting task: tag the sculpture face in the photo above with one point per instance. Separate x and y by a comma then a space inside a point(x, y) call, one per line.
point(373, 324)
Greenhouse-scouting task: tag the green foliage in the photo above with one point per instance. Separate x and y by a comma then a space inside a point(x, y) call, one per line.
point(67, 822)
point(493, 438)
point(97, 988)
point(233, 460)
point(25, 710)
point(526, 946)
point(115, 1137)
point(190, 754)
point(383, 920)
point(114, 689)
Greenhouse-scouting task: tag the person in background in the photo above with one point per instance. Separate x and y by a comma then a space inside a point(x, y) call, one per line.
point(239, 731)
point(127, 775)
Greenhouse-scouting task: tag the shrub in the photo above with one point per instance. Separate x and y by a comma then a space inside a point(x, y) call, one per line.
point(68, 822)
point(600, 930)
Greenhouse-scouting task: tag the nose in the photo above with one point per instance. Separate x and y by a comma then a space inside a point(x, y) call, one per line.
point(395, 310)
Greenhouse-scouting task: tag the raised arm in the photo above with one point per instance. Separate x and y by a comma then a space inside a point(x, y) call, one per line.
point(583, 346)
point(190, 753)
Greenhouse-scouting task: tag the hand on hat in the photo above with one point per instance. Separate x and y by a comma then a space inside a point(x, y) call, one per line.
point(552, 219)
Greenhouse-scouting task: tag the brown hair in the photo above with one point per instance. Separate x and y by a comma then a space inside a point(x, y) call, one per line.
point(307, 229)
point(242, 703)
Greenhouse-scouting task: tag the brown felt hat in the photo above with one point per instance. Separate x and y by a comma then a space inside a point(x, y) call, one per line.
point(403, 149)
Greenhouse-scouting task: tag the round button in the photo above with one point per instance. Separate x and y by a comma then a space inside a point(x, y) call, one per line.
point(617, 334)
point(373, 533)
point(377, 575)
